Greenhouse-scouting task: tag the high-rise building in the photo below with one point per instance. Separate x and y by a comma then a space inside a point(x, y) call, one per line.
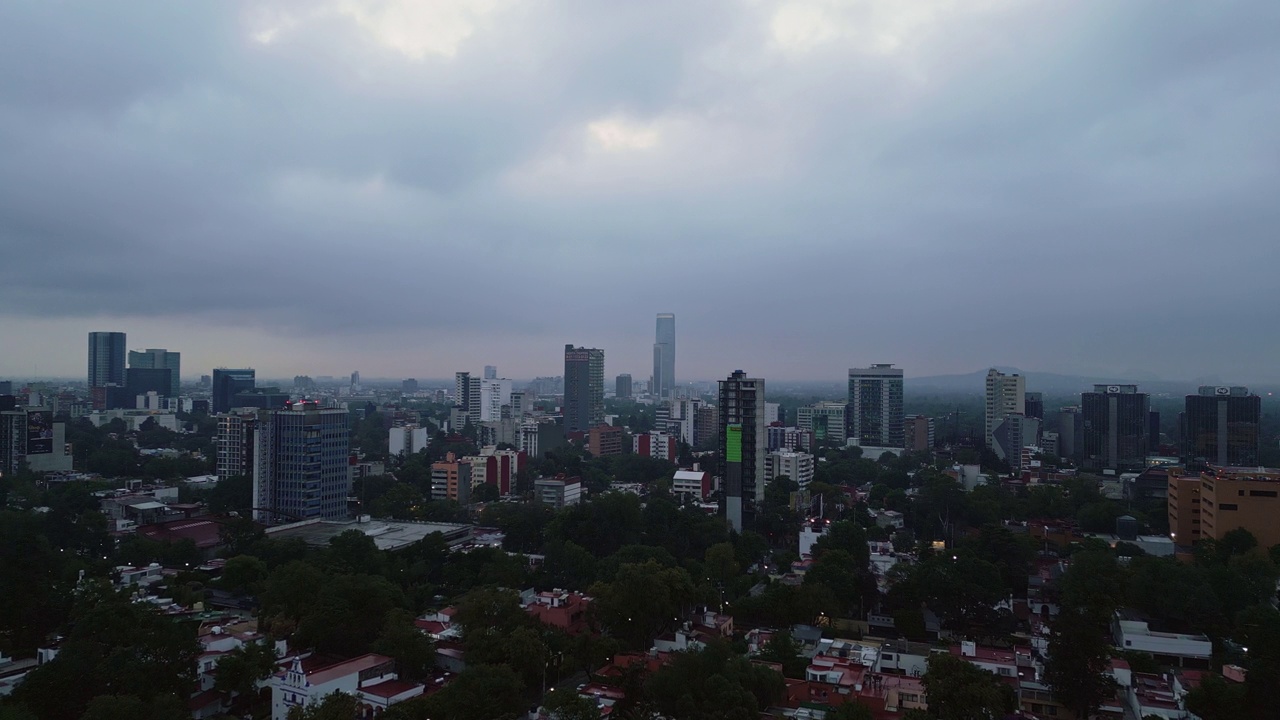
point(1033, 405)
point(742, 445)
point(301, 469)
point(494, 394)
point(29, 435)
point(622, 387)
point(1114, 428)
point(106, 359)
point(875, 406)
point(664, 356)
point(156, 358)
point(236, 444)
point(406, 440)
point(1006, 395)
point(918, 431)
point(1015, 432)
point(1214, 502)
point(451, 480)
point(355, 381)
point(828, 421)
point(658, 445)
point(583, 388)
point(409, 386)
point(1220, 427)
point(226, 385)
point(1070, 430)
point(604, 440)
point(466, 394)
point(142, 380)
point(490, 372)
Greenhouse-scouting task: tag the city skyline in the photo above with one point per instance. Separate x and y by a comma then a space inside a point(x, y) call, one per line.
point(181, 185)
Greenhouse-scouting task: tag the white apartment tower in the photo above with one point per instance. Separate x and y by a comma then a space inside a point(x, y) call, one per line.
point(1006, 395)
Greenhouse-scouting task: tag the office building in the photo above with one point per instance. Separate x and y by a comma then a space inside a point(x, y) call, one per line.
point(496, 467)
point(407, 440)
point(1220, 426)
point(490, 372)
point(451, 480)
point(261, 398)
point(156, 358)
point(828, 421)
point(1153, 432)
point(495, 394)
point(1115, 430)
point(521, 404)
point(789, 438)
point(659, 445)
point(796, 465)
point(604, 440)
point(875, 406)
point(558, 492)
point(622, 387)
point(1033, 405)
point(237, 432)
point(1070, 430)
point(6, 387)
point(301, 470)
point(409, 386)
point(1006, 395)
point(583, 388)
point(466, 397)
point(226, 385)
point(538, 437)
point(773, 414)
point(140, 381)
point(1014, 433)
point(664, 357)
point(29, 435)
point(918, 432)
point(106, 359)
point(1049, 444)
point(1216, 501)
point(742, 440)
point(705, 429)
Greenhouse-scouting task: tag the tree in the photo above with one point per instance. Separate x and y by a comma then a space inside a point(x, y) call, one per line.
point(1079, 656)
point(641, 601)
point(782, 649)
point(852, 710)
point(243, 574)
point(1216, 699)
point(720, 563)
point(569, 705)
point(337, 705)
point(481, 692)
point(413, 651)
point(129, 707)
point(240, 670)
point(960, 690)
point(714, 683)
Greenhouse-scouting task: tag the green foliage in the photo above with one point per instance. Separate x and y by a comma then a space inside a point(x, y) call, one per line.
point(413, 651)
point(852, 710)
point(113, 647)
point(240, 670)
point(569, 705)
point(960, 690)
point(481, 692)
point(1079, 643)
point(714, 684)
point(642, 601)
point(130, 707)
point(334, 706)
point(783, 649)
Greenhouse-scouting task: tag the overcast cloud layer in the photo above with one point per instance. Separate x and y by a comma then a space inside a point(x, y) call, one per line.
point(409, 188)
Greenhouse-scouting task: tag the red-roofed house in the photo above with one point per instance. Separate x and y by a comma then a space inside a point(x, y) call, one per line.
point(371, 678)
point(562, 609)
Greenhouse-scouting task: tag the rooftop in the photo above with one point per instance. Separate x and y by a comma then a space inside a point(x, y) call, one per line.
point(386, 534)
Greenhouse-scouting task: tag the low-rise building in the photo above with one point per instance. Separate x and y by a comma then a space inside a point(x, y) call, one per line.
point(696, 483)
point(1134, 635)
point(604, 440)
point(371, 678)
point(559, 491)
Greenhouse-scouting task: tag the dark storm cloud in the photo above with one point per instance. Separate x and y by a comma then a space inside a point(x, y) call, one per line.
point(953, 184)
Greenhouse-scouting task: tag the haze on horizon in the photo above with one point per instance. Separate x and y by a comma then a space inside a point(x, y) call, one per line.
point(410, 189)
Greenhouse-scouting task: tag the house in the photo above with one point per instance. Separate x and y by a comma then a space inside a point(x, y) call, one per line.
point(1133, 634)
point(561, 609)
point(371, 678)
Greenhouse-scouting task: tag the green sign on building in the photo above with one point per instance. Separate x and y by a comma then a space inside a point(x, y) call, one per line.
point(733, 448)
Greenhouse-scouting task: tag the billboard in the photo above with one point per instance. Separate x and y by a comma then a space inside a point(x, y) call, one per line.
point(733, 444)
point(40, 432)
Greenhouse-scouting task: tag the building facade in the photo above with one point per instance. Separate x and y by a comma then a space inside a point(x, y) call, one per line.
point(604, 440)
point(237, 444)
point(742, 445)
point(1220, 426)
point(106, 359)
point(302, 468)
point(29, 435)
point(155, 358)
point(622, 387)
point(227, 384)
point(796, 465)
point(1223, 499)
point(875, 406)
point(664, 356)
point(1005, 395)
point(658, 445)
point(918, 432)
point(1115, 431)
point(583, 388)
point(828, 421)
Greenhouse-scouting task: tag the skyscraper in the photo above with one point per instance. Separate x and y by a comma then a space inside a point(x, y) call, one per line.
point(106, 359)
point(466, 393)
point(875, 406)
point(743, 442)
point(156, 359)
point(1220, 427)
point(583, 388)
point(1006, 394)
point(227, 384)
point(301, 468)
point(1114, 427)
point(236, 445)
point(490, 372)
point(664, 356)
point(622, 387)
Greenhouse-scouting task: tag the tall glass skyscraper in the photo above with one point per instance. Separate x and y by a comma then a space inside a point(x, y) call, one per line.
point(875, 416)
point(106, 359)
point(583, 388)
point(301, 468)
point(664, 356)
point(157, 359)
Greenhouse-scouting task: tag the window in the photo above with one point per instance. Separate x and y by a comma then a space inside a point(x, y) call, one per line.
point(1228, 506)
point(1262, 493)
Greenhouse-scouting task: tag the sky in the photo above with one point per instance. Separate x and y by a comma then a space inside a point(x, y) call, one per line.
point(409, 188)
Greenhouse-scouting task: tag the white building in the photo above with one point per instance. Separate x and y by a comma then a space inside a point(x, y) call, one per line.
point(1137, 636)
point(494, 393)
point(371, 678)
point(796, 465)
point(1006, 395)
point(826, 420)
point(875, 414)
point(407, 440)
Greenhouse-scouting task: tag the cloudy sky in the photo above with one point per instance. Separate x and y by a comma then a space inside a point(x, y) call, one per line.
point(413, 187)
